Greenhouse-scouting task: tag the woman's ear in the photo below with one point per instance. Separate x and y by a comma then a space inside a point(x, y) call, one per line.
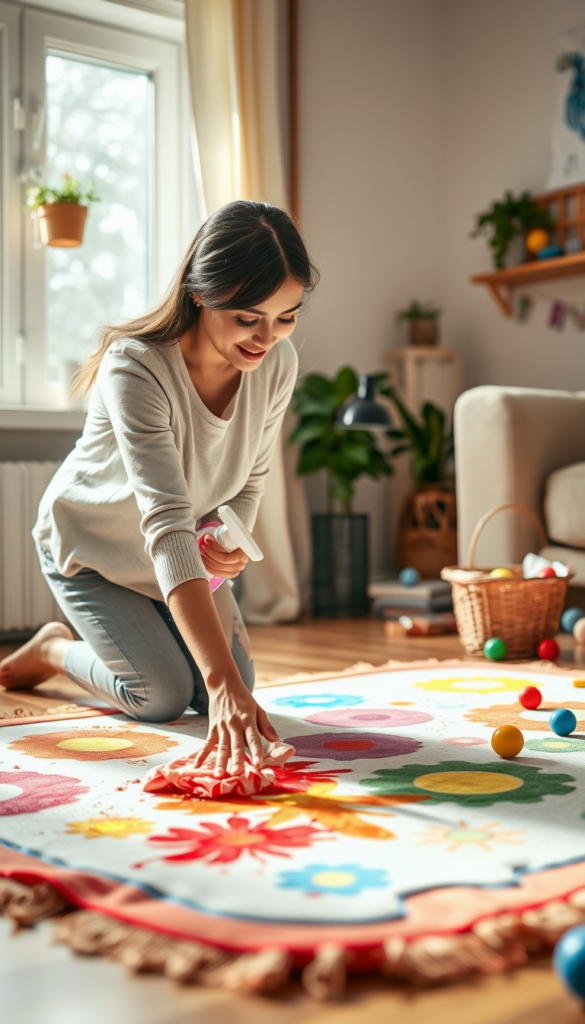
point(196, 299)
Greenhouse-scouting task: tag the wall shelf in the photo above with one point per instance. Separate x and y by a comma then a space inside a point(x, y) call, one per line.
point(567, 210)
point(502, 283)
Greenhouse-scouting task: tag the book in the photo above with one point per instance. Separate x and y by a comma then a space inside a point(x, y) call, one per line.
point(421, 625)
point(393, 589)
point(389, 608)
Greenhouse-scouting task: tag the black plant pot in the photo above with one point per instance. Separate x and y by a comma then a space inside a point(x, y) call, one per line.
point(340, 564)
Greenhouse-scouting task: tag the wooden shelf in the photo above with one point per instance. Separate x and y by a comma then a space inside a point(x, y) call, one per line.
point(502, 283)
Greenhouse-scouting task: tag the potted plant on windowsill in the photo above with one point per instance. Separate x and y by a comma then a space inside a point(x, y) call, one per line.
point(427, 532)
point(423, 321)
point(61, 212)
point(340, 538)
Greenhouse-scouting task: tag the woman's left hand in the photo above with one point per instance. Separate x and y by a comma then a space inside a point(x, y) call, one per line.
point(219, 562)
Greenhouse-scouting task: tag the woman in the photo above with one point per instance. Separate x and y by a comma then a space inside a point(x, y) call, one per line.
point(185, 410)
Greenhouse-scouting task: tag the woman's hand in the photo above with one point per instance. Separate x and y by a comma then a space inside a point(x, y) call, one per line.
point(219, 562)
point(235, 721)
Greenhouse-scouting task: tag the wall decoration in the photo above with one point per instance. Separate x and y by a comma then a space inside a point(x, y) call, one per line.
point(567, 161)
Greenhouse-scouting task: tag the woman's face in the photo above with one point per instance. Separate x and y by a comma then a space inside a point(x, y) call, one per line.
point(242, 337)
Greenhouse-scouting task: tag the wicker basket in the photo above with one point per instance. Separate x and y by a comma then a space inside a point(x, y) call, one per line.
point(518, 611)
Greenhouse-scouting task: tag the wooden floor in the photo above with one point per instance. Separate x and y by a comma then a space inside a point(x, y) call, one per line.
point(45, 984)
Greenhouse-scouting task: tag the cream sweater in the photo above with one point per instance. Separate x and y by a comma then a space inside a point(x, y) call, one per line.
point(153, 462)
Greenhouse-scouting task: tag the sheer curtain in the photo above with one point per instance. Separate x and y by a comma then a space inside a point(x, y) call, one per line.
point(232, 48)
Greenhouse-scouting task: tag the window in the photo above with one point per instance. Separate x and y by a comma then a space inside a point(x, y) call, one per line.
point(103, 105)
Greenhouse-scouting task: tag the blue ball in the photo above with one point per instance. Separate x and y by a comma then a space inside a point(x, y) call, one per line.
point(409, 577)
point(569, 617)
point(563, 722)
point(569, 960)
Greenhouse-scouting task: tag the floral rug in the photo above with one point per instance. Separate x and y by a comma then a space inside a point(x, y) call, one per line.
point(395, 820)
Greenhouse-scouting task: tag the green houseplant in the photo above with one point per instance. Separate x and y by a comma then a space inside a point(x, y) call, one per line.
point(61, 212)
point(423, 322)
point(509, 218)
point(340, 538)
point(427, 532)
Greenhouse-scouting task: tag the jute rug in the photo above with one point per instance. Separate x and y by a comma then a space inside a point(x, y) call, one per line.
point(395, 840)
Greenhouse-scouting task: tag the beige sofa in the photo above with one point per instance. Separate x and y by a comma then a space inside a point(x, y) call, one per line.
point(524, 445)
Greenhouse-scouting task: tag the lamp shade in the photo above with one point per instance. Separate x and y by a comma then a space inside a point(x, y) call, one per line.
point(366, 413)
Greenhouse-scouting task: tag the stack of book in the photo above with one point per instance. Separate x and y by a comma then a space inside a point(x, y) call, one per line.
point(415, 611)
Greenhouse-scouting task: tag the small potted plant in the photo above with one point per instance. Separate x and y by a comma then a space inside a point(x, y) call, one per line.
point(423, 321)
point(340, 538)
point(61, 212)
point(427, 532)
point(507, 222)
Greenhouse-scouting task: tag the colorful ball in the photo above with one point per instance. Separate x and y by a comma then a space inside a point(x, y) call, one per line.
point(548, 649)
point(536, 239)
point(570, 617)
point(546, 573)
point(501, 573)
point(409, 577)
point(569, 960)
point(507, 741)
point(495, 649)
point(563, 722)
point(530, 698)
point(579, 631)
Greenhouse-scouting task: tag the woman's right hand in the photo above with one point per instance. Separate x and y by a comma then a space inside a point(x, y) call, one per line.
point(236, 721)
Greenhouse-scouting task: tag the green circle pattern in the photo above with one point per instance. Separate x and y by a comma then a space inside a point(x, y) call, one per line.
point(557, 745)
point(536, 784)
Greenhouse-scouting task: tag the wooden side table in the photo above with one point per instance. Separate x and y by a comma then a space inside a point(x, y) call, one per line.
point(426, 375)
point(420, 375)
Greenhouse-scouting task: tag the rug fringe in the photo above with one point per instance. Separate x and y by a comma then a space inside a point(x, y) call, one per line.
point(24, 905)
point(493, 945)
point(143, 951)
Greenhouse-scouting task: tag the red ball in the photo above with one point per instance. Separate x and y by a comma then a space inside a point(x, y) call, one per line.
point(546, 573)
point(548, 649)
point(530, 698)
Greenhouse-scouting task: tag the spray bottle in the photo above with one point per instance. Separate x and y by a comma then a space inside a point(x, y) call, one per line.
point(231, 534)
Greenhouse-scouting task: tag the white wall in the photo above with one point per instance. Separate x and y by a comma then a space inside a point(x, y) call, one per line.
point(371, 189)
point(499, 81)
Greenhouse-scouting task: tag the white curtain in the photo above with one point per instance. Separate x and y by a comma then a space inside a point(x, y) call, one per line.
point(232, 48)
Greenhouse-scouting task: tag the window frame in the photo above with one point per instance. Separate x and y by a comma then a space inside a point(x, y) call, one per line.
point(11, 218)
point(26, 33)
point(43, 32)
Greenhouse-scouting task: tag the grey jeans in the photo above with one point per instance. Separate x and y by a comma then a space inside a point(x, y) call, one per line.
point(131, 653)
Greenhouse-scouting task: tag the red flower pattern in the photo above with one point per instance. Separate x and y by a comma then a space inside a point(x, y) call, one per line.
point(219, 844)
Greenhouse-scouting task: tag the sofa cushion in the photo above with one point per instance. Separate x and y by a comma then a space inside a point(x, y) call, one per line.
point(564, 505)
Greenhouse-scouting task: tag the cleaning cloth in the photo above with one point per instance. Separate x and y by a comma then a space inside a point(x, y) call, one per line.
point(181, 776)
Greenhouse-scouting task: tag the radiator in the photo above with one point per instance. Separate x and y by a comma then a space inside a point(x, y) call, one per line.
point(25, 599)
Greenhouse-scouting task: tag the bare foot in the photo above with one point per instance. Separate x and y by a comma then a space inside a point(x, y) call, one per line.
point(37, 660)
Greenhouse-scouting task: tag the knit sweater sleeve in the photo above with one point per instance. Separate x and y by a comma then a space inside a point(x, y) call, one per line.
point(246, 502)
point(140, 414)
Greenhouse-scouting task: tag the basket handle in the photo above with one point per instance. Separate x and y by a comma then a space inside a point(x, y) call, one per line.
point(500, 508)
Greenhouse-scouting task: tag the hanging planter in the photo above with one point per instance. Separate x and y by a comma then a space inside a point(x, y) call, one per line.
point(60, 213)
point(62, 224)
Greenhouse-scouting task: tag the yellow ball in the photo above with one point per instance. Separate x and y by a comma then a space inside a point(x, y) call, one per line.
point(507, 741)
point(501, 573)
point(579, 631)
point(536, 240)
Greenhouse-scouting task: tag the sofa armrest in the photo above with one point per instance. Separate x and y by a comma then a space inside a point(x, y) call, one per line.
point(507, 442)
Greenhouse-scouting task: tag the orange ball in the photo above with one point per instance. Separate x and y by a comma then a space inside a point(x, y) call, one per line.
point(536, 240)
point(507, 741)
point(579, 631)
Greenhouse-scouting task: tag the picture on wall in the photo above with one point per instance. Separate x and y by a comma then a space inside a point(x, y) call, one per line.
point(567, 163)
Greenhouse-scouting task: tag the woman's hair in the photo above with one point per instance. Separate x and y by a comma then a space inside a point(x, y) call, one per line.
point(238, 259)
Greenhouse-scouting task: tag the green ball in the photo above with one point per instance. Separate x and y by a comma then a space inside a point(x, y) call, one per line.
point(495, 649)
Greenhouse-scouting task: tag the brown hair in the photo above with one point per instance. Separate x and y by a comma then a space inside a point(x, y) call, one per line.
point(238, 259)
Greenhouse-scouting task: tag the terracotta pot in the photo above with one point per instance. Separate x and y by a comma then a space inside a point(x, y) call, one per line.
point(427, 532)
point(424, 331)
point(62, 224)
